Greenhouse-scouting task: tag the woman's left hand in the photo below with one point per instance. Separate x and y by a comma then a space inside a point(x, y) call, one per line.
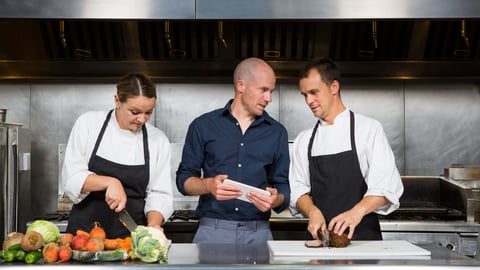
point(156, 226)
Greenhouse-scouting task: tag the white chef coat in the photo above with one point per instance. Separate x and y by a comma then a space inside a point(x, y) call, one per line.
point(377, 162)
point(119, 146)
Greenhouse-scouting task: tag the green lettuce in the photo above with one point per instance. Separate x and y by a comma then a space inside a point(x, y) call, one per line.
point(149, 245)
point(47, 229)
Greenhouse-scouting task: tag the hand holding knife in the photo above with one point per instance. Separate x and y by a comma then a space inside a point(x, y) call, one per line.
point(324, 237)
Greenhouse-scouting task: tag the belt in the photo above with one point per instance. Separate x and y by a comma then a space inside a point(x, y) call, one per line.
point(235, 225)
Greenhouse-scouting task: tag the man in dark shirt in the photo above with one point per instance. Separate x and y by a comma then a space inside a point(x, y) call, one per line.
point(243, 143)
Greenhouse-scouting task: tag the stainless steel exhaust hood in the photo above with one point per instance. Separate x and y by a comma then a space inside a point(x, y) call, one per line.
point(204, 39)
point(234, 9)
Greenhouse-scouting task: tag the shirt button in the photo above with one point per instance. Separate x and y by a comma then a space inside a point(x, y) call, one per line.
point(241, 144)
point(237, 124)
point(239, 165)
point(236, 209)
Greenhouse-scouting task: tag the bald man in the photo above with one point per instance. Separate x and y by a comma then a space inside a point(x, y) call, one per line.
point(240, 142)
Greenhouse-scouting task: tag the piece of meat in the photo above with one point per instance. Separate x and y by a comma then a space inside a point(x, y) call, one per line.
point(315, 243)
point(336, 241)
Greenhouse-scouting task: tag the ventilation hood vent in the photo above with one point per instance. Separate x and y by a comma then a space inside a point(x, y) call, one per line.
point(343, 41)
point(209, 50)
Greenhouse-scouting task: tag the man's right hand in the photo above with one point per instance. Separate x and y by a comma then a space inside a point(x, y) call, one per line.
point(316, 222)
point(220, 190)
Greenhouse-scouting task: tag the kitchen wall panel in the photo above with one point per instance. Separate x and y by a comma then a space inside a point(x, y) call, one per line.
point(442, 126)
point(16, 99)
point(179, 104)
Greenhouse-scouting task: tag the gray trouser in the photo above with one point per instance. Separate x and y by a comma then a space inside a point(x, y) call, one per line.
point(211, 230)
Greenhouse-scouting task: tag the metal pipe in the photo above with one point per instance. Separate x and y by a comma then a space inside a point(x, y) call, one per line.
point(167, 35)
point(62, 34)
point(220, 34)
point(374, 34)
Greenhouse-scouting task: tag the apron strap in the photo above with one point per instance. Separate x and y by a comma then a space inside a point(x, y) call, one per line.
point(310, 143)
point(100, 135)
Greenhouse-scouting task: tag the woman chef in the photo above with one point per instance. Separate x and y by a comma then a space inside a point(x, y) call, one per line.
point(115, 160)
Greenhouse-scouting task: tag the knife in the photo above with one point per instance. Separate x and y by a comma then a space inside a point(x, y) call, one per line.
point(127, 220)
point(324, 237)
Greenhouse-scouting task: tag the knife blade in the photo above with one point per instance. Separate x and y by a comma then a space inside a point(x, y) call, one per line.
point(127, 220)
point(324, 237)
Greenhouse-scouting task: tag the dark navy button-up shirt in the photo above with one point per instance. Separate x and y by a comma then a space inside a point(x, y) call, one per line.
point(215, 145)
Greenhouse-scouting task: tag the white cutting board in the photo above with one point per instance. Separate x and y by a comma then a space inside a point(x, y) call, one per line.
point(385, 249)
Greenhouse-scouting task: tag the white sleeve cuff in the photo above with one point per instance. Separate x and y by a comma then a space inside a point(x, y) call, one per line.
point(392, 204)
point(73, 188)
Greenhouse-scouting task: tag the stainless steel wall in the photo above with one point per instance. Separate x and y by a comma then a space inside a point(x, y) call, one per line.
point(442, 125)
point(430, 124)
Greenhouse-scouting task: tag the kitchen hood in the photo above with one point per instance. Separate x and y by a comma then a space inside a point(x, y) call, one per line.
point(203, 40)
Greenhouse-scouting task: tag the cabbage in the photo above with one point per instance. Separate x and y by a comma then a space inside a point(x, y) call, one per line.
point(47, 229)
point(149, 245)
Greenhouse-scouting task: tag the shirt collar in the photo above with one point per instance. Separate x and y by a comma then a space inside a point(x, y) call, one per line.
point(227, 111)
point(114, 122)
point(341, 116)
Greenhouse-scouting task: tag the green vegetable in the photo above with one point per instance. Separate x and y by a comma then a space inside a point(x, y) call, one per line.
point(33, 257)
point(20, 255)
point(9, 255)
point(83, 256)
point(47, 229)
point(149, 245)
point(15, 247)
point(105, 255)
point(113, 255)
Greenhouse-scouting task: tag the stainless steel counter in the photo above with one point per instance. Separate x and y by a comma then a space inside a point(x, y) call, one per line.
point(192, 256)
point(461, 237)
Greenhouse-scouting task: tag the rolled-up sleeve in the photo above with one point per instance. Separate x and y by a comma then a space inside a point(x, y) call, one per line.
point(278, 175)
point(382, 177)
point(192, 158)
point(77, 154)
point(299, 175)
point(159, 190)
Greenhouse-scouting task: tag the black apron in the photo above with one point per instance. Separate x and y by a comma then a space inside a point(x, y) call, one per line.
point(337, 185)
point(134, 179)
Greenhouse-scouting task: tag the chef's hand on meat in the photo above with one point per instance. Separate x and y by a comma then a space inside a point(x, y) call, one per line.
point(316, 222)
point(351, 218)
point(346, 220)
point(265, 203)
point(115, 195)
point(220, 190)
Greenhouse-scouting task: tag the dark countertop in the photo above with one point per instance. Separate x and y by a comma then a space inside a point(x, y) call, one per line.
point(219, 256)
